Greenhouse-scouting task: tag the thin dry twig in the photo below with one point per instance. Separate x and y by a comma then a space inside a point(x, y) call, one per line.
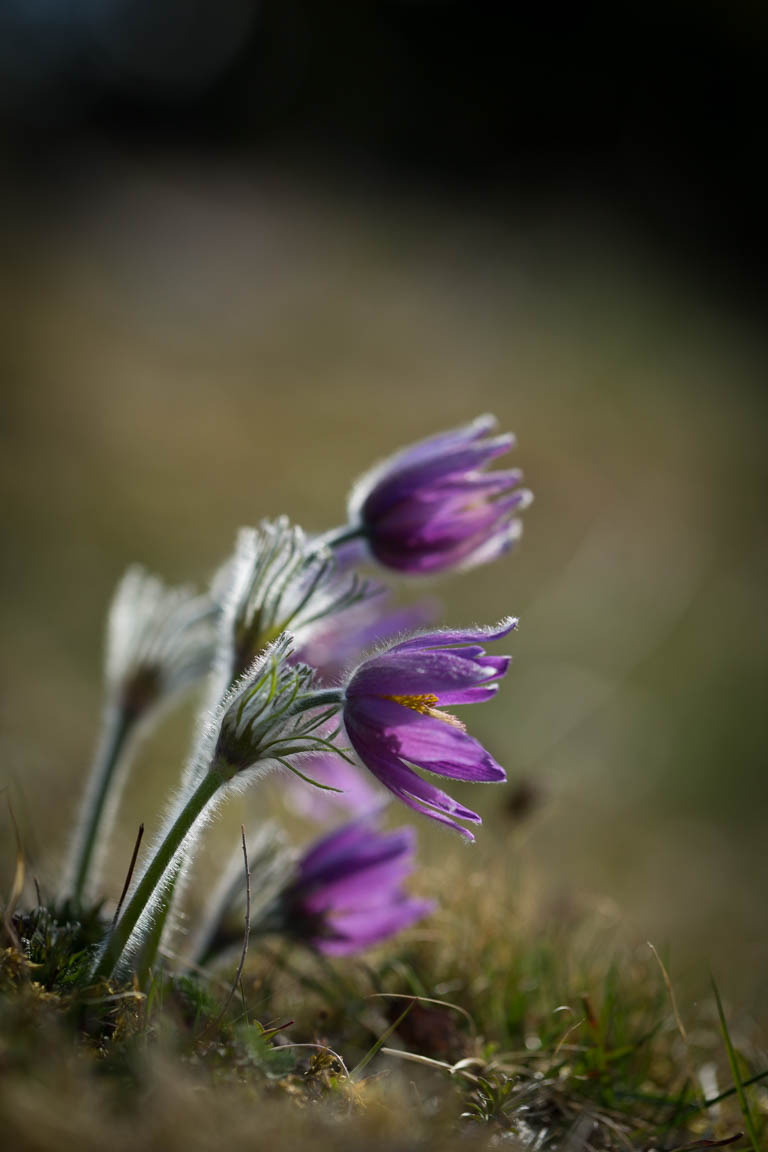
point(710, 1143)
point(246, 935)
point(568, 1032)
point(426, 1000)
point(458, 1069)
point(695, 1085)
point(129, 877)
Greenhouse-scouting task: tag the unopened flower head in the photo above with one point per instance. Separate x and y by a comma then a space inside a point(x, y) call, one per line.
point(160, 640)
point(395, 717)
point(348, 892)
point(278, 582)
point(272, 715)
point(431, 507)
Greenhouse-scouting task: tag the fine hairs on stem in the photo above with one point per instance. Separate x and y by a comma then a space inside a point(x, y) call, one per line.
point(256, 729)
point(99, 807)
point(125, 937)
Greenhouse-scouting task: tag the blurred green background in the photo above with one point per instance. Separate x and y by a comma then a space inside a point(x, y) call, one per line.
point(186, 346)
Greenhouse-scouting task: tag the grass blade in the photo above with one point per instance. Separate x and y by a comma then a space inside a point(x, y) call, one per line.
point(738, 1083)
point(381, 1040)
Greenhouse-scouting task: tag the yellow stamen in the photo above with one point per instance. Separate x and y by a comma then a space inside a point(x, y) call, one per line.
point(426, 705)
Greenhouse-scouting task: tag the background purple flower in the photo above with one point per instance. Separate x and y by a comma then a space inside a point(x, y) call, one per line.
point(431, 506)
point(394, 717)
point(337, 641)
point(356, 794)
point(348, 892)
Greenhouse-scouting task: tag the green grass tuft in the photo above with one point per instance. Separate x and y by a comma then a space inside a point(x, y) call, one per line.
point(547, 1034)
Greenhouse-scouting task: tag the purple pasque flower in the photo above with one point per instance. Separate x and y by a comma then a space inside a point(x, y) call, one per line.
point(432, 507)
point(394, 716)
point(348, 894)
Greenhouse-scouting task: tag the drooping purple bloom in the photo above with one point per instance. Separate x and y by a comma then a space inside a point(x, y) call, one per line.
point(394, 717)
point(432, 507)
point(348, 892)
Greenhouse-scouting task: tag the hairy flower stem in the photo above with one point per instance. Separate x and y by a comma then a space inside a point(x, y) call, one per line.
point(335, 537)
point(176, 878)
point(155, 873)
point(319, 699)
point(147, 955)
point(117, 729)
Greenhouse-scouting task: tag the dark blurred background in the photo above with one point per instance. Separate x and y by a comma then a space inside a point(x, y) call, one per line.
point(653, 111)
point(248, 248)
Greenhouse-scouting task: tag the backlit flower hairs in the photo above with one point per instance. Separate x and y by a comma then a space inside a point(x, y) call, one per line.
point(160, 641)
point(287, 614)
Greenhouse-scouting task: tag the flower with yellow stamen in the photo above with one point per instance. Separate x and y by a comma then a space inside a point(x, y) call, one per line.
point(394, 726)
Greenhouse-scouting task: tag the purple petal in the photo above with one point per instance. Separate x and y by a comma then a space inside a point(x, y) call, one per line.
point(334, 643)
point(417, 527)
point(392, 622)
point(423, 673)
point(415, 453)
point(448, 637)
point(431, 743)
point(494, 667)
point(464, 434)
point(430, 467)
point(457, 503)
point(369, 884)
point(356, 846)
point(461, 553)
point(496, 545)
point(476, 695)
point(360, 929)
point(475, 484)
point(336, 844)
point(425, 561)
point(407, 785)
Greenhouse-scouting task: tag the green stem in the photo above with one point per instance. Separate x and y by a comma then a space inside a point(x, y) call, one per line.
point(337, 536)
point(117, 729)
point(155, 873)
point(318, 699)
point(149, 949)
